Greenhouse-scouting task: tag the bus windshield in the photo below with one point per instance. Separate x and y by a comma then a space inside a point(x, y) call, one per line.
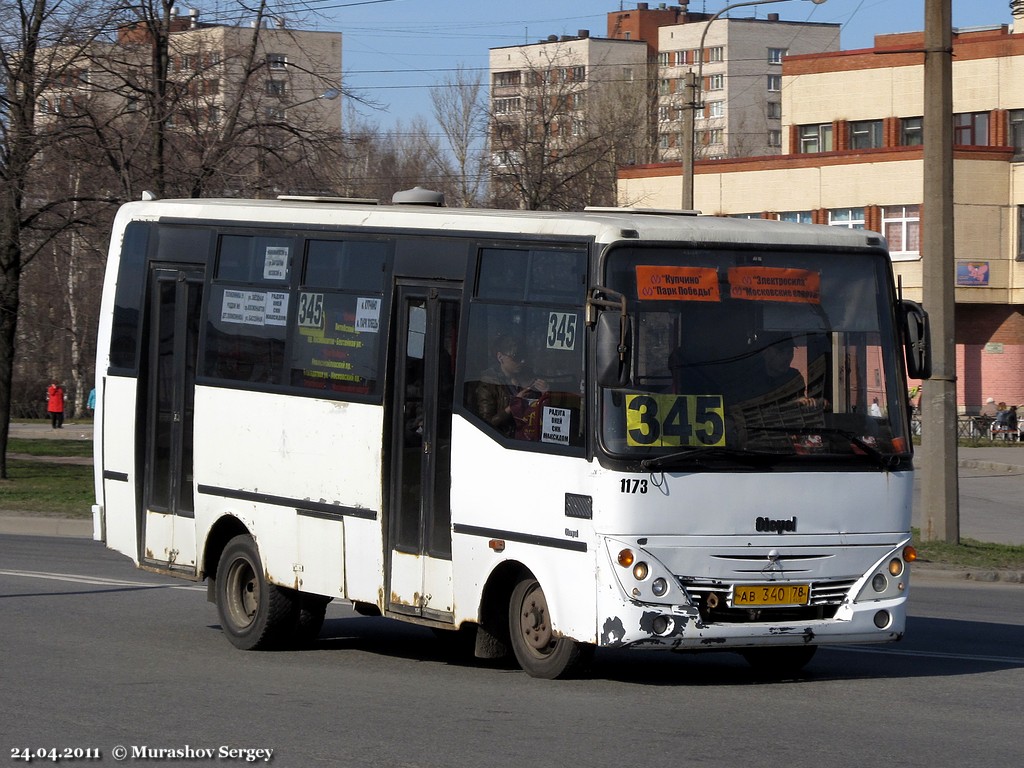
point(760, 353)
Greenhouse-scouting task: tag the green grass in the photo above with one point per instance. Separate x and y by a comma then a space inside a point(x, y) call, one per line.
point(970, 554)
point(42, 487)
point(49, 447)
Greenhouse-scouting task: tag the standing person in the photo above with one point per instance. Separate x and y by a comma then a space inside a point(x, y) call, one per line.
point(55, 404)
point(91, 404)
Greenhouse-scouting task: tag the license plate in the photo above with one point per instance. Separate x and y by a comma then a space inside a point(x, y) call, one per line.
point(771, 594)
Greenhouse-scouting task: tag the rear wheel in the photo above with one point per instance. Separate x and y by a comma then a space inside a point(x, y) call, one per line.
point(312, 610)
point(538, 650)
point(780, 662)
point(254, 614)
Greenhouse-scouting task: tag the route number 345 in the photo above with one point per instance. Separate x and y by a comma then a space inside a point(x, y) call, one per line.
point(675, 420)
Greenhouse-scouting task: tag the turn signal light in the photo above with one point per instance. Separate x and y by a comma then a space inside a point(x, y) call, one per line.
point(909, 554)
point(626, 558)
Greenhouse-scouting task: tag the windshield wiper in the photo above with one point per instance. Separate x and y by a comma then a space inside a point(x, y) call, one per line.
point(696, 455)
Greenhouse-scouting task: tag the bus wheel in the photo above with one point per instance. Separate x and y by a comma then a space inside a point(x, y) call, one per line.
point(781, 662)
point(539, 652)
point(254, 614)
point(312, 610)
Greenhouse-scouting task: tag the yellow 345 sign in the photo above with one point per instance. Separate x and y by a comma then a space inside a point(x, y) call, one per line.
point(675, 420)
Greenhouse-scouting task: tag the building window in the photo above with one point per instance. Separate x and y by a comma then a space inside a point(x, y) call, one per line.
point(579, 74)
point(716, 83)
point(662, 141)
point(970, 129)
point(851, 218)
point(866, 134)
point(504, 79)
point(663, 59)
point(775, 55)
point(774, 138)
point(797, 217)
point(275, 88)
point(713, 136)
point(274, 115)
point(911, 131)
point(716, 109)
point(277, 61)
point(901, 225)
point(815, 138)
point(1020, 233)
point(627, 74)
point(774, 110)
point(663, 114)
point(1017, 130)
point(507, 106)
point(774, 83)
point(663, 87)
point(716, 54)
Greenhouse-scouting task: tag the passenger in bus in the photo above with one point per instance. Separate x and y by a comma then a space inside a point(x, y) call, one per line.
point(508, 395)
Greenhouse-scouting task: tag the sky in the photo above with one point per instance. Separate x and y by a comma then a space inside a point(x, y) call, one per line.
point(394, 51)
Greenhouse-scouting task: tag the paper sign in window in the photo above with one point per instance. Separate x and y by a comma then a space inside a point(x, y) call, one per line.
point(677, 283)
point(801, 286)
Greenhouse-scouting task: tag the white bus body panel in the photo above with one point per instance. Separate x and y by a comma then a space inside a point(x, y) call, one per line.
point(250, 444)
point(841, 520)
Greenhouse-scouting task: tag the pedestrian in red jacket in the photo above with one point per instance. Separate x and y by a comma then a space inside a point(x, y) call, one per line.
point(55, 404)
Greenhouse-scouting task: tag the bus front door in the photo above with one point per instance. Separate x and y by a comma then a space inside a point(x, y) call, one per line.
point(419, 517)
point(168, 530)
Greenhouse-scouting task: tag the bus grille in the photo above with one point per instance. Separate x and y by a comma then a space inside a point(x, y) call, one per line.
point(711, 599)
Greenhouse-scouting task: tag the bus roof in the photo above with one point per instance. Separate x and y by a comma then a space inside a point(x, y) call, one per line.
point(605, 225)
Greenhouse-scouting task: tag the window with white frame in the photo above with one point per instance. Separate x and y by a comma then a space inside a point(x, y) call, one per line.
point(774, 83)
point(716, 136)
point(901, 225)
point(663, 59)
point(774, 110)
point(716, 82)
point(277, 61)
point(716, 54)
point(775, 55)
point(815, 138)
point(664, 114)
point(796, 217)
point(851, 218)
point(774, 138)
point(507, 106)
point(274, 88)
point(716, 109)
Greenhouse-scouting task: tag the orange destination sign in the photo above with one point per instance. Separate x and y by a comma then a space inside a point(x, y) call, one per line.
point(677, 283)
point(775, 284)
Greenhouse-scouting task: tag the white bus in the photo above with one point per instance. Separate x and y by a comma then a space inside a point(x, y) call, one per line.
point(558, 431)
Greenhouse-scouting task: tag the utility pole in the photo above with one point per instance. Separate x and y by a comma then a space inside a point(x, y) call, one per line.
point(939, 482)
point(690, 106)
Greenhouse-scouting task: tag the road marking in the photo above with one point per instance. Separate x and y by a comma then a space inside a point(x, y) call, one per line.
point(928, 654)
point(98, 581)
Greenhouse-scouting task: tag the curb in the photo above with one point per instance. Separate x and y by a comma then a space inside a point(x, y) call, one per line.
point(24, 525)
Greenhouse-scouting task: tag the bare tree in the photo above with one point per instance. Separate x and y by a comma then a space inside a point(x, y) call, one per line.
point(460, 112)
point(557, 145)
point(30, 31)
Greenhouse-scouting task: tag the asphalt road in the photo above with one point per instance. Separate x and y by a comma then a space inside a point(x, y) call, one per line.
point(98, 655)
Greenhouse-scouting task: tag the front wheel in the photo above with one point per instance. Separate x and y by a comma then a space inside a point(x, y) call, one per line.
point(538, 650)
point(254, 614)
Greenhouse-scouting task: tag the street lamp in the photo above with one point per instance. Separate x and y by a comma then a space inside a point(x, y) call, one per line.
point(693, 86)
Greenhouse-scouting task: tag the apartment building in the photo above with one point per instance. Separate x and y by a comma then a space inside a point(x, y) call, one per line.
point(853, 157)
point(297, 77)
point(738, 71)
point(561, 102)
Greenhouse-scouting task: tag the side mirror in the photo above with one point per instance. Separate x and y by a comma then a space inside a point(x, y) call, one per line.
point(613, 353)
point(916, 340)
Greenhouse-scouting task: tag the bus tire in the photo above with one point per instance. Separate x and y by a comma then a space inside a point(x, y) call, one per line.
point(786, 661)
point(254, 614)
point(539, 652)
point(312, 610)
